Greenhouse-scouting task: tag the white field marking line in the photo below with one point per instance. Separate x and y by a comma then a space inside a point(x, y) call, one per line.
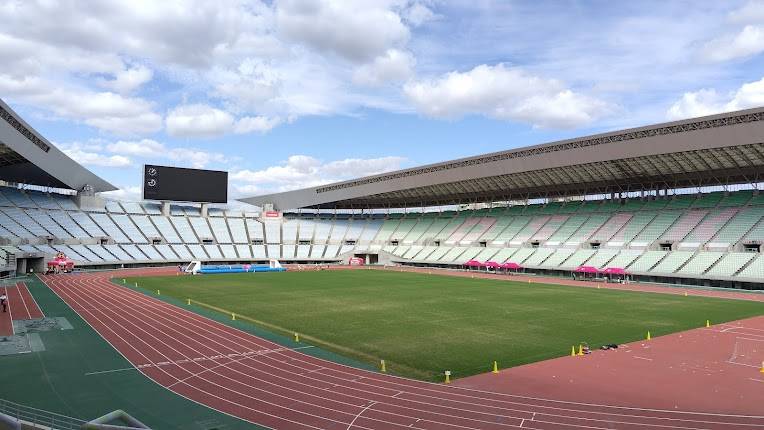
point(523, 411)
point(522, 422)
point(196, 360)
point(130, 322)
point(641, 417)
point(243, 356)
point(642, 358)
point(33, 299)
point(148, 318)
point(756, 380)
point(578, 411)
point(743, 364)
point(359, 414)
point(23, 302)
point(168, 374)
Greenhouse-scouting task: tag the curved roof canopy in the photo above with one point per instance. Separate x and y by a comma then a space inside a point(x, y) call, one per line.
point(28, 158)
point(712, 150)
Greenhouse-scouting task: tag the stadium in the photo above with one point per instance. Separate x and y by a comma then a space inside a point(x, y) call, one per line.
point(473, 293)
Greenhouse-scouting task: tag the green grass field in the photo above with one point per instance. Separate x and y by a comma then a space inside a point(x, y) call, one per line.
point(425, 324)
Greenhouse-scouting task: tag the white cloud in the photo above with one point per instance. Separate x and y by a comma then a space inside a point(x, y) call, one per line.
point(151, 149)
point(198, 120)
point(359, 30)
point(89, 154)
point(259, 124)
point(748, 42)
point(418, 14)
point(104, 110)
point(128, 80)
point(393, 66)
point(507, 94)
point(301, 171)
point(753, 11)
point(141, 148)
point(130, 193)
point(709, 101)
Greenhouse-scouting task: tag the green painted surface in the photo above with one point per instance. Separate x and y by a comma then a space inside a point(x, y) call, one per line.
point(424, 324)
point(56, 380)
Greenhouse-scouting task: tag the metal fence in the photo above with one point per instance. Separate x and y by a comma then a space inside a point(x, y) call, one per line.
point(38, 418)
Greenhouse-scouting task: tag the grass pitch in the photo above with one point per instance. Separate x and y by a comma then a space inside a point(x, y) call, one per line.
point(425, 324)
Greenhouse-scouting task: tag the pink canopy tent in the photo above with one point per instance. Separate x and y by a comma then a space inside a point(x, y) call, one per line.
point(615, 271)
point(61, 263)
point(473, 263)
point(586, 269)
point(492, 265)
point(511, 266)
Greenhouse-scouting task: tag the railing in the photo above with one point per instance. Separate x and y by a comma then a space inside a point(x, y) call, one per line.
point(38, 418)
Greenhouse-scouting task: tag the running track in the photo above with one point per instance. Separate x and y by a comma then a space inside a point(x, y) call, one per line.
point(261, 382)
point(21, 306)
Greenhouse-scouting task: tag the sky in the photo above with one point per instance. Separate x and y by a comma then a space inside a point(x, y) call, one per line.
point(297, 93)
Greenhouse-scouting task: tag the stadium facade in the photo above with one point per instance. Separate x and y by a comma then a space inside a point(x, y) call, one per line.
point(675, 202)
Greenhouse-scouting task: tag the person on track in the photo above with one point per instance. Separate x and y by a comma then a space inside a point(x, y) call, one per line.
point(4, 302)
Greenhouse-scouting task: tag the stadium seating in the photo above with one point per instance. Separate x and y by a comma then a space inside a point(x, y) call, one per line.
point(701, 235)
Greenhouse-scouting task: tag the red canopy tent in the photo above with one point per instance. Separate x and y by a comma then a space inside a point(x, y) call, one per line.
point(617, 273)
point(587, 269)
point(60, 264)
point(473, 264)
point(511, 267)
point(586, 272)
point(492, 265)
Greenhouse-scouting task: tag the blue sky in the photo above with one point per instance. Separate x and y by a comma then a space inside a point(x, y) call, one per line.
point(287, 94)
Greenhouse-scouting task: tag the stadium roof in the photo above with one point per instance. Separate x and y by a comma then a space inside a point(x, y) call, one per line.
point(28, 158)
point(713, 150)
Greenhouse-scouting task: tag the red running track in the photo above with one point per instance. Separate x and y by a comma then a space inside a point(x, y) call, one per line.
point(24, 305)
point(264, 383)
point(6, 318)
point(21, 306)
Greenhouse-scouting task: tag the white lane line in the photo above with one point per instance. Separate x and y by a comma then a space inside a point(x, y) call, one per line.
point(360, 413)
point(33, 299)
point(643, 358)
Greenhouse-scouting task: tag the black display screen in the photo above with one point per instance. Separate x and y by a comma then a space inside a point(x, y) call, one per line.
point(184, 185)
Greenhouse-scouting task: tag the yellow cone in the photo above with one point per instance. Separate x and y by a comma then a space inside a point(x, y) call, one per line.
point(708, 323)
point(158, 293)
point(123, 281)
point(762, 367)
point(580, 349)
point(382, 366)
point(685, 293)
point(189, 302)
point(233, 317)
point(573, 351)
point(495, 367)
point(648, 335)
point(448, 376)
point(297, 337)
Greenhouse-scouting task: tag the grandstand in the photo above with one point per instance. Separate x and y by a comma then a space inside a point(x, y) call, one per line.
point(673, 202)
